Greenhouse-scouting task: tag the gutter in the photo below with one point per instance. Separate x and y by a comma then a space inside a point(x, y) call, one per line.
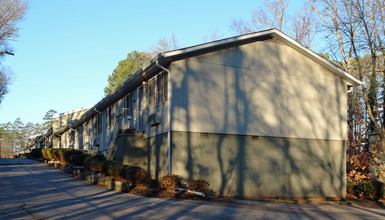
point(168, 115)
point(137, 78)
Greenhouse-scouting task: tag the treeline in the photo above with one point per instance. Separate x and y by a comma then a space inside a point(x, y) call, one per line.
point(16, 134)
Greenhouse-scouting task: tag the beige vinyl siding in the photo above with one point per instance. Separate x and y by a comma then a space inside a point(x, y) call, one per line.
point(258, 89)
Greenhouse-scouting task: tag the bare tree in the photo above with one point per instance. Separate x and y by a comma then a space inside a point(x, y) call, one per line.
point(213, 35)
point(272, 15)
point(358, 28)
point(242, 27)
point(4, 82)
point(11, 12)
point(164, 45)
point(302, 26)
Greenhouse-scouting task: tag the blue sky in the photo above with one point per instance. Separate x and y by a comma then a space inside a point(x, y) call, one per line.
point(67, 48)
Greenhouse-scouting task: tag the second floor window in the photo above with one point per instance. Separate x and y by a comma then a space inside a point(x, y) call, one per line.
point(157, 89)
point(109, 116)
point(98, 123)
point(128, 105)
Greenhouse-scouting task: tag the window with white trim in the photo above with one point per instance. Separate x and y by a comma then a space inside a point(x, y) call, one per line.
point(98, 123)
point(109, 117)
point(151, 92)
point(157, 89)
point(128, 105)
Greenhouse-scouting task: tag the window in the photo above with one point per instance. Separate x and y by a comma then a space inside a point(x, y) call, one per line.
point(98, 123)
point(128, 105)
point(151, 90)
point(165, 90)
point(71, 139)
point(157, 89)
point(109, 116)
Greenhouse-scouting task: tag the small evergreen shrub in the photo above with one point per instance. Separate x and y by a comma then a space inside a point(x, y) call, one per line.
point(371, 190)
point(113, 169)
point(66, 155)
point(93, 164)
point(55, 154)
point(199, 185)
point(36, 154)
point(100, 157)
point(379, 187)
point(78, 159)
point(135, 176)
point(170, 182)
point(365, 190)
point(47, 153)
point(350, 188)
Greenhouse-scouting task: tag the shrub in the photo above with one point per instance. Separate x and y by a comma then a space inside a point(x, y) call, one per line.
point(380, 187)
point(135, 176)
point(350, 188)
point(36, 153)
point(55, 154)
point(67, 155)
point(78, 159)
point(93, 164)
point(113, 169)
point(47, 153)
point(100, 157)
point(371, 190)
point(142, 177)
point(365, 190)
point(171, 182)
point(60, 155)
point(199, 185)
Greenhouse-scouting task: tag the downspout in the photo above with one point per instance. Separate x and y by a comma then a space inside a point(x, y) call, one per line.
point(168, 114)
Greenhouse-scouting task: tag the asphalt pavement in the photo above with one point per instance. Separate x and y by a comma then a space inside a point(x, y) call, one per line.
point(31, 190)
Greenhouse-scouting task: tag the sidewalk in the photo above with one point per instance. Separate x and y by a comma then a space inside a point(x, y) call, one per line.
point(30, 190)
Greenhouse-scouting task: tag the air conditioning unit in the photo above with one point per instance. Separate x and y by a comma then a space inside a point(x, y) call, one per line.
point(152, 120)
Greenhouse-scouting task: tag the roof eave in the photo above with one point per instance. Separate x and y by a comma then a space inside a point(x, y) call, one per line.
point(316, 58)
point(144, 73)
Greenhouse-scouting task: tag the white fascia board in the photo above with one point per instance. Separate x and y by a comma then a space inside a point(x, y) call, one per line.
point(72, 111)
point(280, 36)
point(218, 43)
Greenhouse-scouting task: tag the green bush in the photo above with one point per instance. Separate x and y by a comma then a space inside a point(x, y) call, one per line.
point(100, 157)
point(365, 190)
point(47, 153)
point(36, 153)
point(350, 188)
point(92, 163)
point(65, 155)
point(60, 153)
point(171, 182)
point(371, 190)
point(78, 159)
point(135, 176)
point(68, 155)
point(113, 169)
point(199, 185)
point(55, 154)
